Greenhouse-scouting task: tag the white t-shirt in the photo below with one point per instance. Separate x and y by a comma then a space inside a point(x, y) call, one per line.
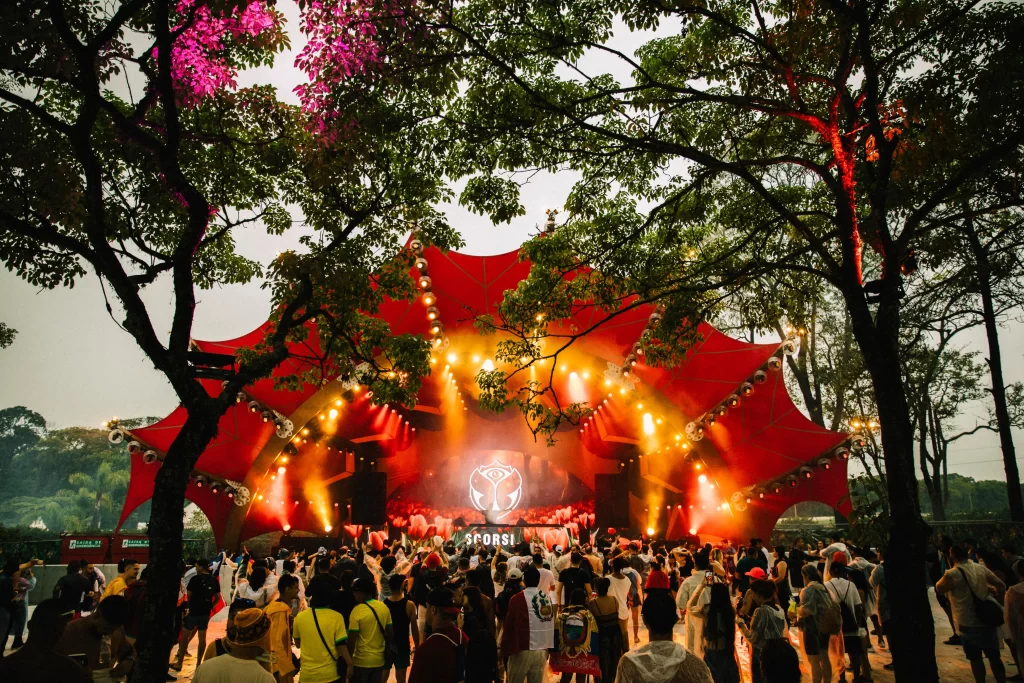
point(547, 581)
point(261, 597)
point(228, 669)
point(620, 589)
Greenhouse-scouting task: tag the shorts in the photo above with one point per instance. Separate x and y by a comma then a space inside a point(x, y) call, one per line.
point(196, 621)
point(402, 659)
point(852, 644)
point(978, 641)
point(815, 642)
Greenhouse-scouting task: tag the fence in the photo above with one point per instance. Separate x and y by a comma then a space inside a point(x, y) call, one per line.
point(48, 550)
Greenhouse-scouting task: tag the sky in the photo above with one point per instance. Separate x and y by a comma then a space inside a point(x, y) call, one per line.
point(73, 364)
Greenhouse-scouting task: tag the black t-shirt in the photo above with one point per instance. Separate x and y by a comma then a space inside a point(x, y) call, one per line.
point(797, 560)
point(571, 579)
point(858, 579)
point(483, 571)
point(72, 588)
point(400, 621)
point(202, 588)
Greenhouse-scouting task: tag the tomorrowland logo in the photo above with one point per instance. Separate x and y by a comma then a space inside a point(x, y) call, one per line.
point(495, 489)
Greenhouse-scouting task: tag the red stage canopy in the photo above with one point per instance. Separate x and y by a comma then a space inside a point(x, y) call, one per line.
point(680, 483)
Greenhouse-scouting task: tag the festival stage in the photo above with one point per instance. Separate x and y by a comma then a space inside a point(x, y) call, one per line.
point(713, 446)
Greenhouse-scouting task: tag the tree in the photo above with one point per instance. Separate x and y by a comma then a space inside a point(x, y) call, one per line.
point(127, 151)
point(20, 430)
point(756, 137)
point(7, 335)
point(106, 486)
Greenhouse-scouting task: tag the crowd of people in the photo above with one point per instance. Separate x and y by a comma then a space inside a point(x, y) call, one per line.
point(442, 613)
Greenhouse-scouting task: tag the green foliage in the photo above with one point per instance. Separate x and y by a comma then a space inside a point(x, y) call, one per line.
point(7, 335)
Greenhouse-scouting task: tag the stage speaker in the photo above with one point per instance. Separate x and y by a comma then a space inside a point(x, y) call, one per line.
point(369, 498)
point(611, 500)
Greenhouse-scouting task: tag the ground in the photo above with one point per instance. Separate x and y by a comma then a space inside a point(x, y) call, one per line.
point(953, 668)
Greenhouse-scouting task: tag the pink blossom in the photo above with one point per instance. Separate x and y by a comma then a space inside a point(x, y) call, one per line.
point(199, 63)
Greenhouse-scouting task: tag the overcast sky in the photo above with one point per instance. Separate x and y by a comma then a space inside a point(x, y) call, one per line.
point(75, 366)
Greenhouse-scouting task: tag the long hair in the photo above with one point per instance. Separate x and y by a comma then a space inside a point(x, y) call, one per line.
point(257, 577)
point(720, 621)
point(472, 595)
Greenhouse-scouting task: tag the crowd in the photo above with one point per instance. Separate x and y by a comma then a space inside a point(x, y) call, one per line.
point(435, 612)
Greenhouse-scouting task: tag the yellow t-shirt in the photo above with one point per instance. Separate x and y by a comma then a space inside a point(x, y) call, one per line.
point(369, 647)
point(316, 664)
point(116, 587)
point(280, 638)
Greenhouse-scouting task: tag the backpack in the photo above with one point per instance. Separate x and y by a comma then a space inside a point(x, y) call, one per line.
point(849, 619)
point(830, 620)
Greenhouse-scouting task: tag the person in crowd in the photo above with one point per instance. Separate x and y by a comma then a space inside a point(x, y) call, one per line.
point(22, 581)
point(860, 573)
point(994, 563)
point(486, 604)
point(1009, 554)
point(478, 625)
point(621, 589)
point(657, 579)
point(780, 577)
point(879, 586)
point(661, 660)
point(528, 632)
point(780, 663)
point(858, 578)
point(289, 569)
point(387, 570)
point(718, 636)
point(767, 624)
point(513, 585)
point(797, 559)
point(605, 608)
point(321, 635)
point(939, 569)
point(369, 631)
point(432, 574)
point(220, 646)
point(547, 577)
point(136, 597)
point(636, 588)
point(202, 592)
point(256, 587)
point(100, 637)
point(814, 601)
point(403, 620)
point(1013, 612)
point(484, 575)
point(127, 572)
point(72, 588)
point(248, 642)
point(962, 583)
point(572, 578)
point(742, 577)
point(845, 593)
point(442, 655)
point(97, 583)
point(836, 546)
point(39, 659)
point(279, 639)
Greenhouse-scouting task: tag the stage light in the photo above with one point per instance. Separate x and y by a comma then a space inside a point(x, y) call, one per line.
point(428, 298)
point(338, 403)
point(259, 497)
point(200, 481)
point(273, 477)
point(327, 528)
point(333, 414)
point(421, 263)
point(424, 282)
point(843, 453)
point(149, 457)
point(586, 375)
point(254, 406)
point(648, 424)
point(650, 531)
point(639, 406)
point(297, 439)
point(452, 357)
point(702, 478)
point(287, 527)
point(825, 463)
point(230, 492)
point(698, 466)
point(215, 489)
point(488, 365)
point(281, 470)
point(693, 531)
point(321, 416)
point(305, 432)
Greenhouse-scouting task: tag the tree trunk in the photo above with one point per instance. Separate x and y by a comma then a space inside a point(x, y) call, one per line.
point(165, 536)
point(995, 366)
point(913, 632)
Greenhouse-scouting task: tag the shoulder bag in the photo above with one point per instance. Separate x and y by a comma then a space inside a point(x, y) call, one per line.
point(988, 610)
point(390, 648)
point(339, 663)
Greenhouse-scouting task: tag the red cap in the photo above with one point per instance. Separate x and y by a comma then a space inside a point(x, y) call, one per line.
point(756, 573)
point(433, 561)
point(840, 557)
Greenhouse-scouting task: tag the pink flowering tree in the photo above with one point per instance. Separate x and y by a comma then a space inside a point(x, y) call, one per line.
point(129, 153)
